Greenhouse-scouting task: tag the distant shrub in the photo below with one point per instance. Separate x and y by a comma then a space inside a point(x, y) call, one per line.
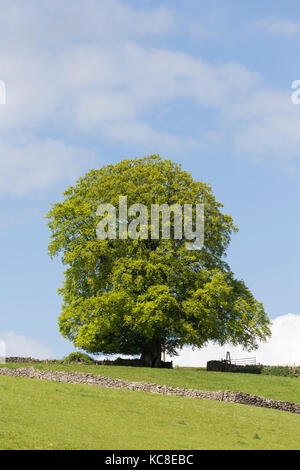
point(283, 371)
point(247, 369)
point(224, 366)
point(78, 356)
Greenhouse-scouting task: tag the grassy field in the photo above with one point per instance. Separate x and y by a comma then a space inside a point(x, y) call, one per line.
point(278, 388)
point(46, 415)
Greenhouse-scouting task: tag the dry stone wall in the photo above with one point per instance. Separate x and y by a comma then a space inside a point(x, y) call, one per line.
point(224, 366)
point(98, 380)
point(24, 360)
point(106, 362)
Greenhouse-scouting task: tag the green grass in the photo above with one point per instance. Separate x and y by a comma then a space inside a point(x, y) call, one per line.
point(278, 388)
point(47, 415)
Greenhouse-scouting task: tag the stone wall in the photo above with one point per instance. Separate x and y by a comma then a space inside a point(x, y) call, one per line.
point(224, 366)
point(98, 380)
point(106, 362)
point(31, 360)
point(130, 362)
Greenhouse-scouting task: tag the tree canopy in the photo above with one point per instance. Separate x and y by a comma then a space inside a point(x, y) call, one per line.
point(142, 296)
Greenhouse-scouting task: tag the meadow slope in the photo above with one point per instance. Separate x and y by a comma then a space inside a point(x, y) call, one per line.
point(47, 415)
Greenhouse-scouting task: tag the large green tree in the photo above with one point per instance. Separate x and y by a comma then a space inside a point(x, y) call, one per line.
point(144, 296)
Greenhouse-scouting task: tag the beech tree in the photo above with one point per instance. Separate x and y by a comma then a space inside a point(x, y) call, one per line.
point(139, 297)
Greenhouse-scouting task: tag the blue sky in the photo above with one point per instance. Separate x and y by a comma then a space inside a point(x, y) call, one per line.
point(207, 84)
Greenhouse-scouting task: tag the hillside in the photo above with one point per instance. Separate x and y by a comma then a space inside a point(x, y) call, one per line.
point(46, 415)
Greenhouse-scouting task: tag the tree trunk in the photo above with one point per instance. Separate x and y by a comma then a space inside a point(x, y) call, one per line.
point(151, 356)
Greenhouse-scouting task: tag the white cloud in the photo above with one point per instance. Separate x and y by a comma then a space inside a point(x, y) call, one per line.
point(39, 164)
point(54, 83)
point(266, 125)
point(108, 19)
point(91, 75)
point(102, 91)
point(22, 346)
point(278, 26)
point(283, 348)
point(104, 107)
point(98, 90)
point(151, 140)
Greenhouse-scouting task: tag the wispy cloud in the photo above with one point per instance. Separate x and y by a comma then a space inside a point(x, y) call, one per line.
point(92, 76)
point(277, 26)
point(22, 346)
point(39, 164)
